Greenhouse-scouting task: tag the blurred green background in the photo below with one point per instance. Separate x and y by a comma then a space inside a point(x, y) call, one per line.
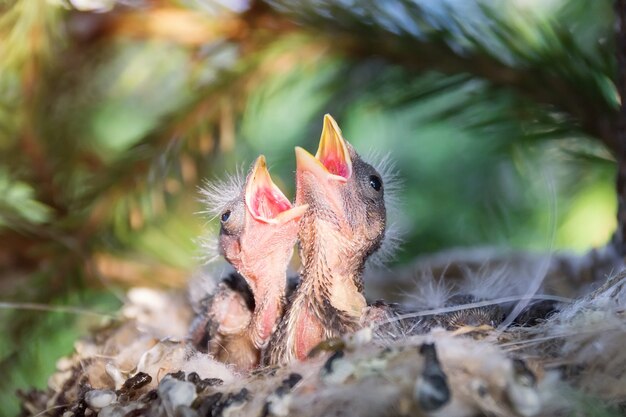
point(498, 114)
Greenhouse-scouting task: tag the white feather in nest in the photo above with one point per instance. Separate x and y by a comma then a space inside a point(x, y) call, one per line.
point(585, 341)
point(568, 275)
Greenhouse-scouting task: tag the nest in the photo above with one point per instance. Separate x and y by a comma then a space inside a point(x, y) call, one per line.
point(139, 367)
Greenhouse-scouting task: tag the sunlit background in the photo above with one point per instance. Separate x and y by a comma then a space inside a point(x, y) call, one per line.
point(112, 114)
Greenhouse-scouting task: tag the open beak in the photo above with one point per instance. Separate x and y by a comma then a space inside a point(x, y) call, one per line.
point(265, 201)
point(332, 160)
point(333, 151)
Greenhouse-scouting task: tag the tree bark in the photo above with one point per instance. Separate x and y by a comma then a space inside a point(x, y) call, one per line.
point(620, 133)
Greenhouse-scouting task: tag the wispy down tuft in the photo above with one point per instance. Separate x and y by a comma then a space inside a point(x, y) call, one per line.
point(393, 184)
point(218, 193)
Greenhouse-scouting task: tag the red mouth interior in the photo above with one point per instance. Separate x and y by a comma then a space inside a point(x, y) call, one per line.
point(269, 203)
point(335, 164)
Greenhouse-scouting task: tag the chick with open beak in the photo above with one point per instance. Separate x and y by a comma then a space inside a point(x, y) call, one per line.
point(258, 231)
point(343, 226)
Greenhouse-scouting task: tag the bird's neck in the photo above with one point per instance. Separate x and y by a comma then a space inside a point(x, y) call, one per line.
point(332, 268)
point(335, 276)
point(269, 294)
point(329, 301)
point(331, 274)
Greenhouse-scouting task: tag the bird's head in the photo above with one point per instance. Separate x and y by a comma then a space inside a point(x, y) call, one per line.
point(345, 196)
point(259, 229)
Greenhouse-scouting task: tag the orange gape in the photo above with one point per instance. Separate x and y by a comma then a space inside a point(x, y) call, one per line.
point(335, 165)
point(267, 202)
point(309, 333)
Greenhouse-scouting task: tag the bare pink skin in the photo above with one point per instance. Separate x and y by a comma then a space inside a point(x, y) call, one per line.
point(264, 253)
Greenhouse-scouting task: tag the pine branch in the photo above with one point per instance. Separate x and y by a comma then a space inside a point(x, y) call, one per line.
point(619, 238)
point(557, 73)
point(97, 204)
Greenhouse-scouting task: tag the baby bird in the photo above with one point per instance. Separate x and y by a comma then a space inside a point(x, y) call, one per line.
point(258, 232)
point(343, 225)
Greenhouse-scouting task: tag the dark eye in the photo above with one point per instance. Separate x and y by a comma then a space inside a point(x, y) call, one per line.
point(375, 182)
point(225, 216)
